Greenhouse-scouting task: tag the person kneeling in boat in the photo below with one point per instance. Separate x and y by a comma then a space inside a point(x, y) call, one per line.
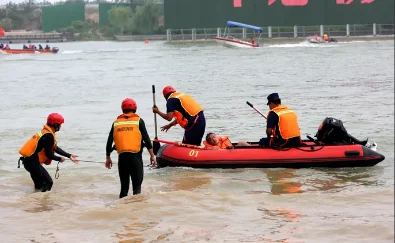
point(187, 113)
point(282, 128)
point(1, 45)
point(220, 142)
point(130, 136)
point(7, 47)
point(40, 149)
point(47, 47)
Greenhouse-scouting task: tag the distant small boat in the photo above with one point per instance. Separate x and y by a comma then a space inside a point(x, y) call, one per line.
point(228, 40)
point(54, 50)
point(320, 40)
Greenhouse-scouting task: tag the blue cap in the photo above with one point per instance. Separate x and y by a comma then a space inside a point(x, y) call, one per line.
point(272, 97)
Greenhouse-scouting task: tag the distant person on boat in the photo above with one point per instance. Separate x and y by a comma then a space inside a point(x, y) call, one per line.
point(47, 47)
point(326, 37)
point(130, 136)
point(282, 127)
point(1, 45)
point(40, 149)
point(7, 47)
point(252, 41)
point(25, 47)
point(30, 47)
point(220, 142)
point(187, 113)
point(40, 47)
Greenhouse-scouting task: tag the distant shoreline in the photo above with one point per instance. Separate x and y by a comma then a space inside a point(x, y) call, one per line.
point(151, 38)
point(275, 40)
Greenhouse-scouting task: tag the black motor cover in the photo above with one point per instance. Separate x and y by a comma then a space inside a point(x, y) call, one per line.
point(332, 131)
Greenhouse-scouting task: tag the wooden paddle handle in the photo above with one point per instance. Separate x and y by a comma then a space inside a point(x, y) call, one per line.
point(153, 97)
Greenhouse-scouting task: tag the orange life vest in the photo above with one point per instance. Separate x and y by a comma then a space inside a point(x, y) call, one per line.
point(223, 143)
point(189, 105)
point(127, 135)
point(326, 37)
point(287, 122)
point(30, 146)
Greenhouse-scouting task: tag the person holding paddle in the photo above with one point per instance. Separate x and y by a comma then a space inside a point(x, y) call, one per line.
point(130, 136)
point(282, 127)
point(187, 113)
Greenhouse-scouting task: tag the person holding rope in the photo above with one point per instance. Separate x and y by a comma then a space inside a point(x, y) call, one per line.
point(40, 149)
point(282, 127)
point(130, 136)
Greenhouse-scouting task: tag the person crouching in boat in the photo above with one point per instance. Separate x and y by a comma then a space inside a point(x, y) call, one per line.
point(40, 149)
point(130, 136)
point(1, 45)
point(187, 113)
point(220, 142)
point(7, 47)
point(282, 128)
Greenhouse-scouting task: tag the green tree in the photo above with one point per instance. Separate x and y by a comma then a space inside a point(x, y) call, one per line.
point(145, 19)
point(120, 19)
point(6, 24)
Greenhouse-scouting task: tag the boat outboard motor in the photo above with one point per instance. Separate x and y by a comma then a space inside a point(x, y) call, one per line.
point(332, 131)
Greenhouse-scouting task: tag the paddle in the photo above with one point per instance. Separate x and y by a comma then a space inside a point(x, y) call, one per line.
point(179, 144)
point(252, 106)
point(156, 145)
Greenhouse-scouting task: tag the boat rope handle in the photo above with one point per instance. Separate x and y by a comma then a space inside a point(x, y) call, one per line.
point(57, 171)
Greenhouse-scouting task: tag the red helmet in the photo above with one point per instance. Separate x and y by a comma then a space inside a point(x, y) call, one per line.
point(129, 104)
point(167, 90)
point(55, 119)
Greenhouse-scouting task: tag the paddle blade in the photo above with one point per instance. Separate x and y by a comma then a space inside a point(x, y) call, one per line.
point(248, 103)
point(155, 146)
point(153, 89)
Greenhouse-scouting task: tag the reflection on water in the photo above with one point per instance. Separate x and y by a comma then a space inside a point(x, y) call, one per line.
point(135, 231)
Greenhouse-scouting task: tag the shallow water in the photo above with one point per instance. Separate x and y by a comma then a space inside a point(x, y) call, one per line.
point(87, 81)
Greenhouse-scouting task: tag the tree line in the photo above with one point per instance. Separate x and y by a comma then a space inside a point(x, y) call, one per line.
point(137, 17)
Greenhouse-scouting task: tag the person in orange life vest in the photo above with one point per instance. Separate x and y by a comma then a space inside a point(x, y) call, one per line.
point(7, 47)
point(282, 128)
point(252, 41)
point(187, 113)
point(130, 136)
point(40, 149)
point(220, 142)
point(326, 37)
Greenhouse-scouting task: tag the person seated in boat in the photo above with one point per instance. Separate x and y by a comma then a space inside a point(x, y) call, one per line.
point(30, 47)
point(25, 47)
point(220, 142)
point(7, 47)
point(252, 41)
point(40, 47)
point(326, 37)
point(47, 47)
point(1, 45)
point(282, 127)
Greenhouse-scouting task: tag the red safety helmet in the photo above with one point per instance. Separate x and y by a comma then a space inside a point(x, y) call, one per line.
point(129, 104)
point(55, 119)
point(167, 90)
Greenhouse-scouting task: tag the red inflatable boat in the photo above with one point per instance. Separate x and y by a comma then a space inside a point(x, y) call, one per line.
point(307, 155)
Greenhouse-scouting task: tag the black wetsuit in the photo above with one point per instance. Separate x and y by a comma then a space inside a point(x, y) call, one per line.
point(42, 180)
point(130, 164)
